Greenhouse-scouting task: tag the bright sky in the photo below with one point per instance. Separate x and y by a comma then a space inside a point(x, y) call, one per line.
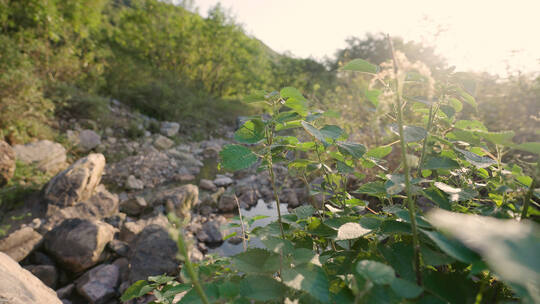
point(477, 34)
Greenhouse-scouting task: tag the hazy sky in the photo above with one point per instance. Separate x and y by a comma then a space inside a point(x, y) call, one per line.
point(476, 34)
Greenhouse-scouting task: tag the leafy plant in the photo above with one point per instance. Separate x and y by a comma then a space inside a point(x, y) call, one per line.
point(370, 242)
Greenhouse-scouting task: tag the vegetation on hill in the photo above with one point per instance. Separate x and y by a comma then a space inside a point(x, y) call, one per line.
point(61, 57)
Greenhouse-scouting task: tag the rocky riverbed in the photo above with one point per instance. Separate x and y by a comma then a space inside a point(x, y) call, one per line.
point(99, 224)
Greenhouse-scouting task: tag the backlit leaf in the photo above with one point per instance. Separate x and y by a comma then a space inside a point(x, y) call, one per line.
point(360, 65)
point(236, 157)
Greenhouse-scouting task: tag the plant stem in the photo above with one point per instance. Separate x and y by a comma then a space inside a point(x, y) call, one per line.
point(270, 140)
point(529, 194)
point(191, 270)
point(242, 224)
point(412, 213)
point(424, 145)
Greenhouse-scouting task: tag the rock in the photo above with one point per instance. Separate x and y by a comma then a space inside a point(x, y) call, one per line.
point(133, 206)
point(227, 202)
point(211, 151)
point(89, 139)
point(223, 181)
point(19, 286)
point(153, 253)
point(123, 268)
point(99, 284)
point(77, 244)
point(65, 291)
point(210, 233)
point(46, 273)
point(102, 204)
point(119, 247)
point(20, 243)
point(184, 178)
point(180, 200)
point(39, 258)
point(130, 230)
point(163, 143)
point(249, 197)
point(289, 197)
point(76, 183)
point(151, 166)
point(169, 128)
point(133, 183)
point(184, 158)
point(46, 155)
point(7, 162)
point(207, 184)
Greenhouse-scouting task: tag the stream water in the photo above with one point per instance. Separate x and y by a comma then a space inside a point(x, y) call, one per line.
point(262, 208)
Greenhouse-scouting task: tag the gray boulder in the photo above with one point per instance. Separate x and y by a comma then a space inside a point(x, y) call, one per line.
point(19, 286)
point(7, 162)
point(210, 233)
point(76, 183)
point(163, 143)
point(207, 184)
point(89, 139)
point(46, 273)
point(134, 183)
point(133, 206)
point(180, 200)
point(20, 243)
point(227, 202)
point(99, 284)
point(223, 181)
point(77, 244)
point(152, 253)
point(102, 204)
point(169, 128)
point(46, 155)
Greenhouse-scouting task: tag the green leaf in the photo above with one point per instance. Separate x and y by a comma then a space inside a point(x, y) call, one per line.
point(437, 197)
point(170, 292)
point(256, 260)
point(278, 245)
point(470, 125)
point(456, 194)
point(452, 247)
point(261, 288)
point(466, 97)
point(309, 278)
point(313, 131)
point(160, 279)
point(256, 96)
point(360, 65)
point(138, 289)
point(509, 247)
point(236, 157)
point(192, 297)
point(379, 152)
point(331, 131)
point(343, 167)
point(410, 133)
point(405, 289)
point(399, 255)
point(353, 149)
point(477, 160)
point(532, 147)
point(503, 138)
point(441, 162)
point(304, 211)
point(376, 272)
point(395, 183)
point(251, 132)
point(373, 96)
point(350, 231)
point(290, 92)
point(373, 188)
